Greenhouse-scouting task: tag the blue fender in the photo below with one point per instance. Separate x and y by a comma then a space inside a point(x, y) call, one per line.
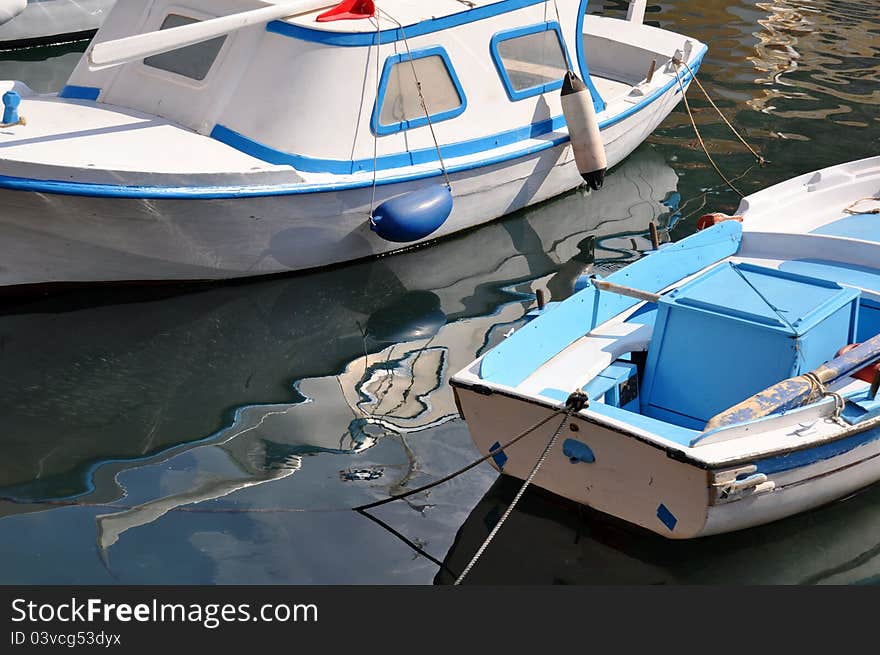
point(413, 215)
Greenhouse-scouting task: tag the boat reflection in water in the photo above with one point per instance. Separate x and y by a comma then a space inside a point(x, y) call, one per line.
point(550, 540)
point(100, 384)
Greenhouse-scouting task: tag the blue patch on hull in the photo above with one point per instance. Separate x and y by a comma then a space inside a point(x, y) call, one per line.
point(499, 457)
point(666, 517)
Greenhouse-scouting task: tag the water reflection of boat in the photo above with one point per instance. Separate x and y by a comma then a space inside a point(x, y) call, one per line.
point(103, 384)
point(836, 544)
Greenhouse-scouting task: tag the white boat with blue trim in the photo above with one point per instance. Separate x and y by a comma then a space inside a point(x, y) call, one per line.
point(29, 23)
point(185, 145)
point(731, 378)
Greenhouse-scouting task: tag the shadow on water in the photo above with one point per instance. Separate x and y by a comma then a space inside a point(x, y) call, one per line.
point(550, 540)
point(136, 403)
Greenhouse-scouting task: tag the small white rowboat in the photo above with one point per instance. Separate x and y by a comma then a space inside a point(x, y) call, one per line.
point(274, 144)
point(719, 398)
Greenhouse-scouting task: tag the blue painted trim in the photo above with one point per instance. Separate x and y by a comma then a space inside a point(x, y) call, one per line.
point(400, 160)
point(800, 458)
point(507, 35)
point(421, 121)
point(666, 517)
point(499, 456)
point(72, 92)
point(362, 39)
point(309, 164)
point(583, 69)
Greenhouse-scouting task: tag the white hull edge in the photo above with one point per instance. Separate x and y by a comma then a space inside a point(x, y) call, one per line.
point(631, 478)
point(62, 238)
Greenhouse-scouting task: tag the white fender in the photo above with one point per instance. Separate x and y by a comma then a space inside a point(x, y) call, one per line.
point(583, 130)
point(9, 9)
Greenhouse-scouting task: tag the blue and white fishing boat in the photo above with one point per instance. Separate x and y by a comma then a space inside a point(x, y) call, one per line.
point(28, 23)
point(721, 394)
point(186, 145)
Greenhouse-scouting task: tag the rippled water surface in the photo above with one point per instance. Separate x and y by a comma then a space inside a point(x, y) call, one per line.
point(216, 435)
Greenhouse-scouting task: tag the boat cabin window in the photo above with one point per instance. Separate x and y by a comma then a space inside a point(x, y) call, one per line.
point(193, 61)
point(530, 60)
point(399, 106)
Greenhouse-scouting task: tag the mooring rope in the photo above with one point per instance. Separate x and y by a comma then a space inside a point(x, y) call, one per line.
point(575, 403)
point(721, 114)
point(676, 62)
point(850, 208)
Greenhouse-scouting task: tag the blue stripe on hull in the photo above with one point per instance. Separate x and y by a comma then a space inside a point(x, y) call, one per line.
point(809, 456)
point(339, 167)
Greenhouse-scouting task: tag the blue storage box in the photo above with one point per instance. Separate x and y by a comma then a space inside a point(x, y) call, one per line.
point(736, 330)
point(617, 385)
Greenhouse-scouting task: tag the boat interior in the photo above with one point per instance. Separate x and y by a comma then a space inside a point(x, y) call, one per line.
point(779, 307)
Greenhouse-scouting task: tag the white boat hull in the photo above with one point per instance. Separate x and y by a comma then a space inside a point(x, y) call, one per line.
point(67, 238)
point(632, 478)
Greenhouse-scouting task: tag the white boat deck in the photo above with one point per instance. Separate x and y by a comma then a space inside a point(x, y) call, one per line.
point(108, 138)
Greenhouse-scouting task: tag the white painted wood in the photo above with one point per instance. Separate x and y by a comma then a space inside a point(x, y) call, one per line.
point(636, 11)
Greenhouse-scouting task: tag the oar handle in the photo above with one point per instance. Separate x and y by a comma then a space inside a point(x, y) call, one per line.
point(138, 46)
point(638, 294)
point(852, 360)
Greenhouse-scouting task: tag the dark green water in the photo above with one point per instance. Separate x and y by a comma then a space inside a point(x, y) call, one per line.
point(212, 435)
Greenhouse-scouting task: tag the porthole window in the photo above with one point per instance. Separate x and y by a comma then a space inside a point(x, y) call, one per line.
point(398, 103)
point(193, 61)
point(530, 60)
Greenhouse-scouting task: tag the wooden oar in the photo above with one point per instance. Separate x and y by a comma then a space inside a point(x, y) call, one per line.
point(131, 48)
point(798, 391)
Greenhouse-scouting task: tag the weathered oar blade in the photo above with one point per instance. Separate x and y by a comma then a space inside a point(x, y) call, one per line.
point(797, 391)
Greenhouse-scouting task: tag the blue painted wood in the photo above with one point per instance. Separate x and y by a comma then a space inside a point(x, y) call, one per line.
point(736, 330)
point(518, 356)
point(809, 456)
point(578, 452)
point(73, 92)
point(670, 431)
point(857, 276)
point(854, 226)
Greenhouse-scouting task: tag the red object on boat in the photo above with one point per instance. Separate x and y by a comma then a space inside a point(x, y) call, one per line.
point(349, 10)
point(867, 374)
point(708, 220)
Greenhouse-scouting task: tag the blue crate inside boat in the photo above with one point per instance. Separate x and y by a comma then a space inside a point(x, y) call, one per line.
point(736, 330)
